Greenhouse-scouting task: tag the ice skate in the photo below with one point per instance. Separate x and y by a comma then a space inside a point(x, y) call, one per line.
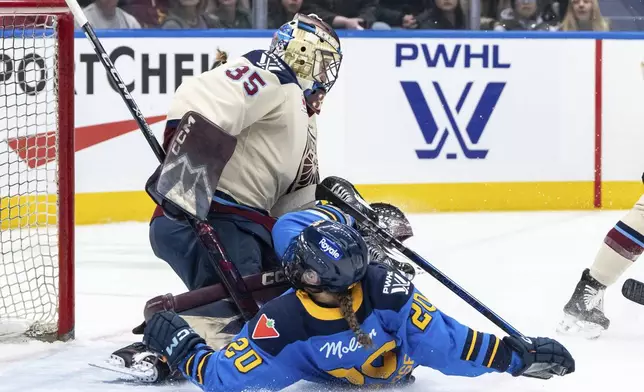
point(139, 363)
point(584, 312)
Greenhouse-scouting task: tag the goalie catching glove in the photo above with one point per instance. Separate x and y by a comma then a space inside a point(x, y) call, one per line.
point(387, 216)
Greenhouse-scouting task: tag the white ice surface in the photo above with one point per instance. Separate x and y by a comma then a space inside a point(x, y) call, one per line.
point(522, 265)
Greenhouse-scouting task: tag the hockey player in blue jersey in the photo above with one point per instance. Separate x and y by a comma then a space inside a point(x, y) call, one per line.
point(344, 321)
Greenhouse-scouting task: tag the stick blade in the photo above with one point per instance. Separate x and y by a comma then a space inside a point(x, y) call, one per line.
point(634, 291)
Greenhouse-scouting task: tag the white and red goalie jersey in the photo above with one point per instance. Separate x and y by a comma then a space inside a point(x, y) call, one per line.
point(257, 99)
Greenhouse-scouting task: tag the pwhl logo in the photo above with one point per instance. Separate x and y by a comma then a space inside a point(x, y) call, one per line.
point(464, 118)
point(467, 136)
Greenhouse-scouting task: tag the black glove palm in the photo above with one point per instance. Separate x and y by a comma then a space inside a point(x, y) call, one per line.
point(169, 335)
point(542, 357)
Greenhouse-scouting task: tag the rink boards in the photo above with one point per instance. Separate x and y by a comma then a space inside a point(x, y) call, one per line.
point(431, 121)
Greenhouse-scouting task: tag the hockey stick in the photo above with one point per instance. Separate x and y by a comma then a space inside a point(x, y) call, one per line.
point(226, 270)
point(634, 291)
point(326, 193)
point(258, 284)
point(323, 192)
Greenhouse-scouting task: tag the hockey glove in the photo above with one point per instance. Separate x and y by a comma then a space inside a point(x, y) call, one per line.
point(542, 357)
point(345, 191)
point(169, 335)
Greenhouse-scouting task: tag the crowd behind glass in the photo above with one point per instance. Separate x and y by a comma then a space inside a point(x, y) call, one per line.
point(495, 15)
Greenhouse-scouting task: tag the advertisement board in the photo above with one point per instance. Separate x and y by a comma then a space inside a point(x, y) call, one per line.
point(431, 122)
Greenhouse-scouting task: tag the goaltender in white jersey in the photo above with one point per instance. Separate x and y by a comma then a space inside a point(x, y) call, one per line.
point(264, 107)
point(268, 101)
point(258, 99)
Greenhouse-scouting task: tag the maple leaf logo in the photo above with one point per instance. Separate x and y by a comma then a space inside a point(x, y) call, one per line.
point(265, 328)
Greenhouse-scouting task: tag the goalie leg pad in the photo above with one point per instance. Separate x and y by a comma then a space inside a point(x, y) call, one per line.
point(246, 243)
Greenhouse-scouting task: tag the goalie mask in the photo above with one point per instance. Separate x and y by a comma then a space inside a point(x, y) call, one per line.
point(312, 49)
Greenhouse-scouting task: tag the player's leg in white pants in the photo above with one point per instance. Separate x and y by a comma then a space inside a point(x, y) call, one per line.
point(622, 245)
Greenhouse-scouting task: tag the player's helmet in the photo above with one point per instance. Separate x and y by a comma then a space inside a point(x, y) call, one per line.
point(326, 256)
point(311, 48)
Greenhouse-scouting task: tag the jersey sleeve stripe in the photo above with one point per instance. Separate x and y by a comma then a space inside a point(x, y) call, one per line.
point(202, 363)
point(318, 213)
point(189, 365)
point(494, 349)
point(335, 211)
point(477, 346)
point(474, 341)
point(503, 358)
point(326, 213)
point(468, 344)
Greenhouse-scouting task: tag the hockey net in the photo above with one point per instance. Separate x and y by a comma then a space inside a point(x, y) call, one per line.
point(36, 170)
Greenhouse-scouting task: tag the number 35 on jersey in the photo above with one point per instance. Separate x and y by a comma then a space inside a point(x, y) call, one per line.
point(252, 83)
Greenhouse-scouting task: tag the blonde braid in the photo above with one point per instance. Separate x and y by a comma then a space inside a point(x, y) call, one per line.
point(346, 308)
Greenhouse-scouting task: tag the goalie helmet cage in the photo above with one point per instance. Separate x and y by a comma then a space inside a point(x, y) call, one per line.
point(36, 170)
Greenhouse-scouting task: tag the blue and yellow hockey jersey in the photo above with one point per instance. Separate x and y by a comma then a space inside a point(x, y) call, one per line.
point(292, 338)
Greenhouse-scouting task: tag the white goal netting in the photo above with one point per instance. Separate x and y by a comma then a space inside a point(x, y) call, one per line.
point(28, 175)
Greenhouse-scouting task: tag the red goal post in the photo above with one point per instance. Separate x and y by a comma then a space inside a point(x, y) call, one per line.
point(36, 170)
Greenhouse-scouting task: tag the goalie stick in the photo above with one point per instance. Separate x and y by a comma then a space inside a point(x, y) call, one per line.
point(226, 270)
point(341, 193)
point(259, 284)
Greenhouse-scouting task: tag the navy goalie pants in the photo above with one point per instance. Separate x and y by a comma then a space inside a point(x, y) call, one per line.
point(247, 244)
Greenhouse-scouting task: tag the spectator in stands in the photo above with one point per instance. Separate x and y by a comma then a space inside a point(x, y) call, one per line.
point(105, 14)
point(150, 13)
point(489, 12)
point(550, 11)
point(343, 14)
point(189, 14)
point(401, 13)
point(525, 15)
point(584, 15)
point(554, 11)
point(444, 15)
point(282, 11)
point(232, 15)
point(212, 5)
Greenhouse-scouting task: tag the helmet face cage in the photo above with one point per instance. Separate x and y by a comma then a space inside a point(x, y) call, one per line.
point(326, 67)
point(298, 275)
point(310, 49)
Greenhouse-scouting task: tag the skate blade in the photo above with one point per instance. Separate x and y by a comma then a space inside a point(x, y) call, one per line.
point(570, 325)
point(143, 372)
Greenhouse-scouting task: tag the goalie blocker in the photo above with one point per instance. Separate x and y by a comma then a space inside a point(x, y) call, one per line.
point(193, 165)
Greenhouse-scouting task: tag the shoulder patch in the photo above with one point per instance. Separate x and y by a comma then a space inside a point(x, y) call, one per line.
point(277, 324)
point(284, 321)
point(387, 288)
point(269, 62)
point(265, 328)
